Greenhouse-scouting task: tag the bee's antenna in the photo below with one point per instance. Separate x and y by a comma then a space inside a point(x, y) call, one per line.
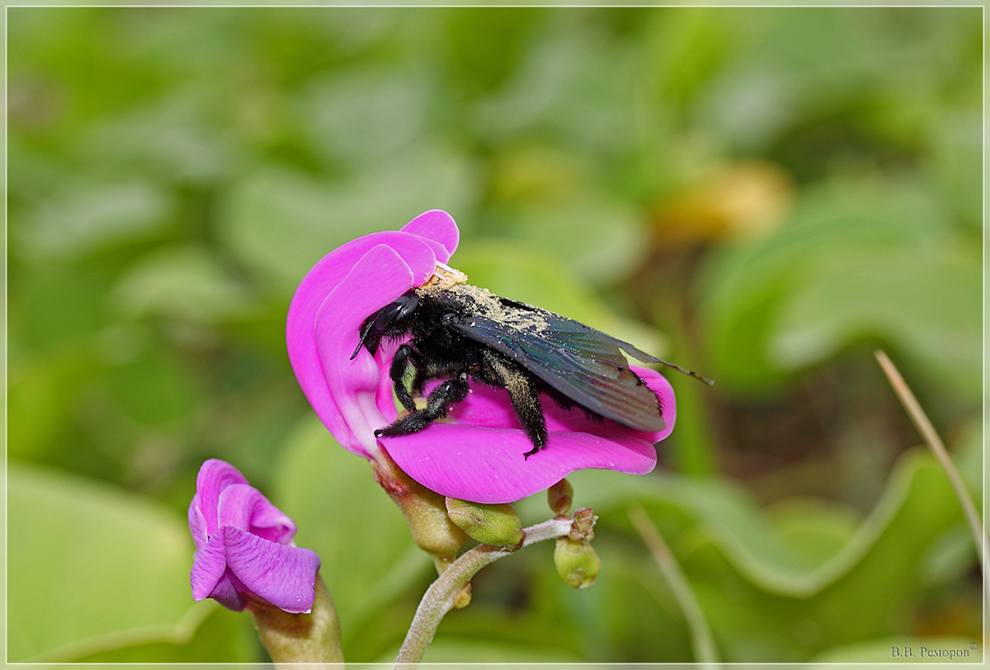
point(372, 347)
point(689, 373)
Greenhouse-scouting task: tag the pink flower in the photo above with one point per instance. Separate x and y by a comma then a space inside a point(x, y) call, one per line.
point(477, 453)
point(244, 548)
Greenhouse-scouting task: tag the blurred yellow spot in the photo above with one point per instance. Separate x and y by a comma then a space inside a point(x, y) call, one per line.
point(745, 199)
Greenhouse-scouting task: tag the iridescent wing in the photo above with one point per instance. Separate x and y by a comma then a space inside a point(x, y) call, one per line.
point(584, 364)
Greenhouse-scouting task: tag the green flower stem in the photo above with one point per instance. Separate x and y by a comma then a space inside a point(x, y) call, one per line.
point(440, 598)
point(702, 641)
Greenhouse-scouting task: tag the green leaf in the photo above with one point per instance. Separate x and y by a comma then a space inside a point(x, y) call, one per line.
point(167, 140)
point(582, 97)
point(784, 585)
point(221, 637)
point(367, 115)
point(155, 387)
point(184, 283)
point(928, 308)
point(855, 260)
point(280, 222)
point(600, 239)
point(86, 217)
point(97, 569)
point(42, 388)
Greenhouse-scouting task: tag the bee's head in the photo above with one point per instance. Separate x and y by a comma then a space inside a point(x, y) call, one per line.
point(392, 320)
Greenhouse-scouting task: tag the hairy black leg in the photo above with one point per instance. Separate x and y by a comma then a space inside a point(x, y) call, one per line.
point(419, 378)
point(438, 404)
point(404, 357)
point(525, 399)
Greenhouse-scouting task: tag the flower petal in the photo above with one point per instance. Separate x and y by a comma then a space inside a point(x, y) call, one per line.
point(354, 386)
point(486, 465)
point(197, 523)
point(484, 406)
point(438, 226)
point(657, 383)
point(281, 575)
point(227, 594)
point(208, 568)
point(326, 276)
point(214, 476)
point(244, 507)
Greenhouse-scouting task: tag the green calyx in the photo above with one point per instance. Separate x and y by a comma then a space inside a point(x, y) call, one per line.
point(496, 525)
point(424, 511)
point(313, 637)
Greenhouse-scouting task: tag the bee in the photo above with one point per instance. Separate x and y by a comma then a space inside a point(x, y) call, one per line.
point(460, 331)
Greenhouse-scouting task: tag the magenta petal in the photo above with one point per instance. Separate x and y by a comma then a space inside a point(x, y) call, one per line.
point(657, 383)
point(227, 594)
point(314, 368)
point(208, 568)
point(197, 523)
point(271, 523)
point(214, 476)
point(438, 226)
point(244, 507)
point(484, 406)
point(486, 465)
point(281, 575)
point(377, 278)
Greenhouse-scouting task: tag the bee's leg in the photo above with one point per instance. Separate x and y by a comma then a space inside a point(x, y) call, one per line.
point(438, 403)
point(525, 399)
point(419, 378)
point(404, 357)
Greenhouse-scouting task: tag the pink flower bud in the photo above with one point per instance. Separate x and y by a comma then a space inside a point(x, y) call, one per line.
point(244, 547)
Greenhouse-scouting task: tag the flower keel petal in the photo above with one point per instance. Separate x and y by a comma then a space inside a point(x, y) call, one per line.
point(281, 575)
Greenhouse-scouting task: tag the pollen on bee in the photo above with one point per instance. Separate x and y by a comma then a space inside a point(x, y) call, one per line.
point(445, 276)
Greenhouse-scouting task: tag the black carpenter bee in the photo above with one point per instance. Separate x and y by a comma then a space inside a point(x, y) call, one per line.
point(460, 331)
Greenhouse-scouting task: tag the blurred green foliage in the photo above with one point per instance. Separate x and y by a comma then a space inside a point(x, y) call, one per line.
point(761, 194)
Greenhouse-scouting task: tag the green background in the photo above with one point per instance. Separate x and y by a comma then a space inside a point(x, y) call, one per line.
point(764, 195)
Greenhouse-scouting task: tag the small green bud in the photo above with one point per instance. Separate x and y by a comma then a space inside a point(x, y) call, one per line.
point(577, 562)
point(497, 525)
point(560, 496)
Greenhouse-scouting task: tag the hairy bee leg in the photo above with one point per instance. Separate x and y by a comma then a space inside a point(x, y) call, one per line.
point(419, 378)
point(525, 399)
point(438, 404)
point(404, 357)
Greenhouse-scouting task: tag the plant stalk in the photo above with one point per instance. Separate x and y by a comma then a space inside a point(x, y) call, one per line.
point(702, 641)
point(934, 442)
point(440, 597)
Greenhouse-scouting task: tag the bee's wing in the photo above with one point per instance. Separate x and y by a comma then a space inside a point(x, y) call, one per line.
point(582, 363)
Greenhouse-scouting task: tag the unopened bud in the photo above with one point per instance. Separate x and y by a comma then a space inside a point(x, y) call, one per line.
point(584, 524)
point(577, 562)
point(497, 525)
point(560, 496)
